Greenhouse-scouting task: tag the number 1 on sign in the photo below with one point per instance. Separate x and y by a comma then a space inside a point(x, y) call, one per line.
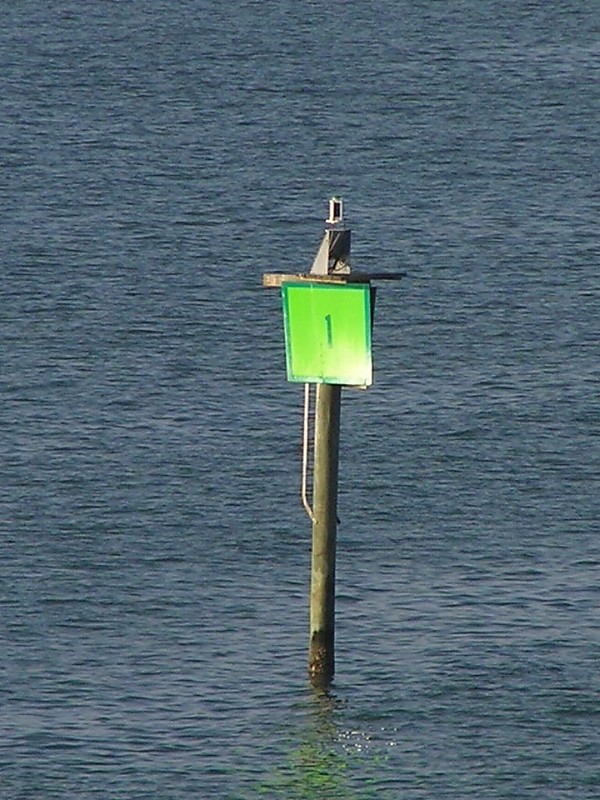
point(329, 330)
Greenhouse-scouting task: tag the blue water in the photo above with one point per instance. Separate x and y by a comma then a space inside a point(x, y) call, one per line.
point(156, 159)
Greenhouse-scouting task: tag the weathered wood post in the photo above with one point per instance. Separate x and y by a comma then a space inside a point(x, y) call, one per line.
point(321, 659)
point(327, 319)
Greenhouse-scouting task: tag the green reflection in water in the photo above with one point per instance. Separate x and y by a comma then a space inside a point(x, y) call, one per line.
point(323, 766)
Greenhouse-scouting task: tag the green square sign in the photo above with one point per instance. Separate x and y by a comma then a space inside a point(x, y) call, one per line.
point(328, 333)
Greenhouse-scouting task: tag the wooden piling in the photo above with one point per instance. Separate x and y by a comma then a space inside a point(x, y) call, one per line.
point(342, 330)
point(321, 662)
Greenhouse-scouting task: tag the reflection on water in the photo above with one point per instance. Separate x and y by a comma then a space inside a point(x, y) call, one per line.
point(326, 762)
